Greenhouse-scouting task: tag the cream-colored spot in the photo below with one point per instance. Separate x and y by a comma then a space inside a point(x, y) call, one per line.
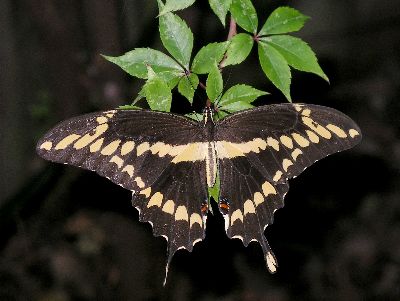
point(67, 141)
point(312, 136)
point(336, 130)
point(110, 148)
point(316, 127)
point(176, 150)
point(139, 182)
point(127, 147)
point(296, 153)
point(286, 163)
point(101, 119)
point(155, 200)
point(94, 147)
point(228, 150)
point(117, 160)
point(268, 188)
point(236, 215)
point(161, 148)
point(164, 149)
point(249, 207)
point(273, 143)
point(298, 107)
point(129, 170)
point(110, 113)
point(88, 138)
point(181, 214)
point(254, 145)
point(195, 218)
point(277, 176)
point(271, 262)
point(259, 143)
point(169, 207)
point(353, 133)
point(286, 141)
point(47, 145)
point(300, 140)
point(306, 112)
point(146, 192)
point(142, 148)
point(258, 198)
point(247, 147)
point(192, 152)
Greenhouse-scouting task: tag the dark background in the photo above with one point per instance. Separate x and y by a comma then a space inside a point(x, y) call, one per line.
point(68, 234)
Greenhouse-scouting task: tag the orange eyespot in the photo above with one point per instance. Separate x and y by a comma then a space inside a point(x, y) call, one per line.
point(224, 206)
point(204, 208)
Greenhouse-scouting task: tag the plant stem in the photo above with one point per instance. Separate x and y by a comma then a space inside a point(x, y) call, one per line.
point(232, 32)
point(232, 28)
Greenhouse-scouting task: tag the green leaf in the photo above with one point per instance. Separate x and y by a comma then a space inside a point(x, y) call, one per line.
point(214, 83)
point(214, 191)
point(174, 5)
point(283, 20)
point(239, 93)
point(245, 15)
point(158, 93)
point(187, 85)
point(220, 8)
point(135, 63)
point(139, 97)
point(220, 114)
point(238, 49)
point(208, 55)
point(195, 116)
point(129, 107)
point(176, 37)
point(172, 82)
point(297, 53)
point(237, 106)
point(275, 67)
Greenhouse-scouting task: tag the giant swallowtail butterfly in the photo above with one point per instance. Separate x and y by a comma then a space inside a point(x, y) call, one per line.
point(168, 161)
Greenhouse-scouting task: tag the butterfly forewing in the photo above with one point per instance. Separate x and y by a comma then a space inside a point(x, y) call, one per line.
point(260, 149)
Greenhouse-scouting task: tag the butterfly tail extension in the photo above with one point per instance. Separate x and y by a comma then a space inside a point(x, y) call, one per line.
point(170, 255)
point(269, 256)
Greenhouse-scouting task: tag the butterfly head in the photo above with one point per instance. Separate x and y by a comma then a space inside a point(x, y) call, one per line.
point(208, 114)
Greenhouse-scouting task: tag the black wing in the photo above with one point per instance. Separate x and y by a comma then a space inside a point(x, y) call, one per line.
point(150, 153)
point(260, 149)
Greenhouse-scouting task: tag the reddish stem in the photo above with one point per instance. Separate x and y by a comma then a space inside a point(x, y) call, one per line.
point(232, 28)
point(232, 32)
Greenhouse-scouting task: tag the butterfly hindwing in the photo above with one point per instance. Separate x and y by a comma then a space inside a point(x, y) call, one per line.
point(260, 149)
point(175, 204)
point(149, 153)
